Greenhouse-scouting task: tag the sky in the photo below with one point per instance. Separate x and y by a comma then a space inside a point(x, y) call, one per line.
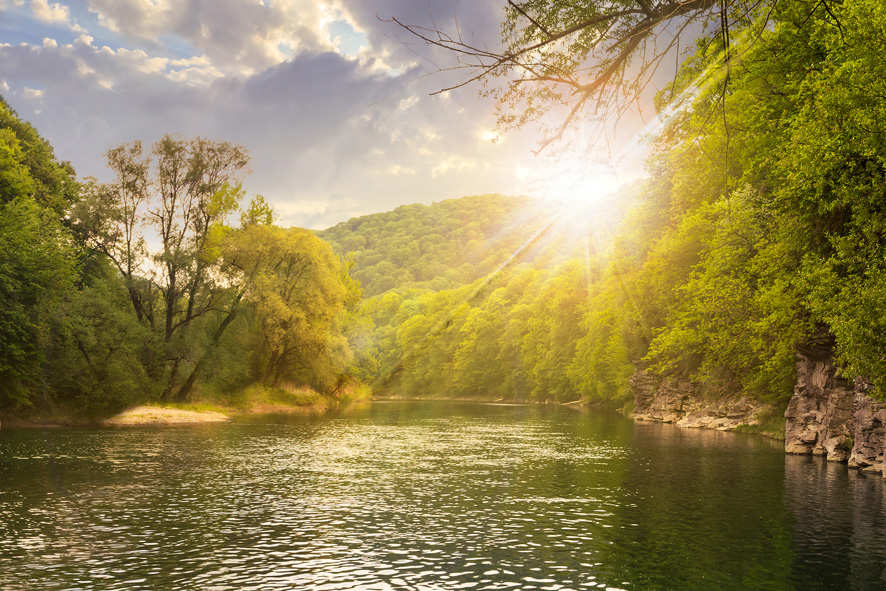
point(331, 100)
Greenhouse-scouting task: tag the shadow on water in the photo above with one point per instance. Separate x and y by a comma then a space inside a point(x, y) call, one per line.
point(430, 496)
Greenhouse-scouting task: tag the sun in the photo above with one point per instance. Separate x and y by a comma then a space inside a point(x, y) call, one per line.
point(580, 190)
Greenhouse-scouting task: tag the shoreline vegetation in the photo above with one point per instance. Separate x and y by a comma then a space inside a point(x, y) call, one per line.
point(251, 400)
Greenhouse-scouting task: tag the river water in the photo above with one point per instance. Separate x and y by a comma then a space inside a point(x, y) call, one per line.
point(431, 496)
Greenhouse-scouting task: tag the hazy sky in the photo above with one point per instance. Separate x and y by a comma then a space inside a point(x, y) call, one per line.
point(332, 105)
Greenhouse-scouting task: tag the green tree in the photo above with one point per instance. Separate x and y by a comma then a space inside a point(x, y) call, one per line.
point(37, 269)
point(179, 195)
point(38, 259)
point(299, 300)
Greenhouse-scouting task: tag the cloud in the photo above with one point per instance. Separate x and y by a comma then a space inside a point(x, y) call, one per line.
point(52, 13)
point(238, 36)
point(331, 136)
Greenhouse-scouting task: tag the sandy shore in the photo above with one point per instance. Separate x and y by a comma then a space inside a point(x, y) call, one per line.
point(155, 415)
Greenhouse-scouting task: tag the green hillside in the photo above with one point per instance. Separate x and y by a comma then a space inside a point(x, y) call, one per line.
point(439, 246)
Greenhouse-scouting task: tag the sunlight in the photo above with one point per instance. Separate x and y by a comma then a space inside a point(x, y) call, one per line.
point(582, 189)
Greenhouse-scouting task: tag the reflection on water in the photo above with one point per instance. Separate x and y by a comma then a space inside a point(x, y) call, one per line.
point(430, 496)
point(840, 523)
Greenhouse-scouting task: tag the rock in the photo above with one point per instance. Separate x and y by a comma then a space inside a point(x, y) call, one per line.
point(831, 416)
point(819, 415)
point(679, 401)
point(870, 431)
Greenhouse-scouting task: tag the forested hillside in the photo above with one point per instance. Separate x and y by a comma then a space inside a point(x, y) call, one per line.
point(507, 311)
point(440, 246)
point(762, 221)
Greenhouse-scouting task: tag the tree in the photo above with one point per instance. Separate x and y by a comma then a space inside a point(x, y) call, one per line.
point(294, 285)
point(30, 168)
point(37, 269)
point(592, 58)
point(38, 258)
point(178, 195)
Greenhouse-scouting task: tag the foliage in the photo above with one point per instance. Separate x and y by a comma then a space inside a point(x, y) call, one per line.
point(439, 246)
point(37, 268)
point(28, 166)
point(297, 299)
point(130, 296)
point(762, 219)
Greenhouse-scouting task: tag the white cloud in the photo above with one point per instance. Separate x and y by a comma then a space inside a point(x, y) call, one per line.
point(451, 164)
point(32, 93)
point(398, 170)
point(330, 137)
point(50, 13)
point(53, 14)
point(239, 37)
point(407, 102)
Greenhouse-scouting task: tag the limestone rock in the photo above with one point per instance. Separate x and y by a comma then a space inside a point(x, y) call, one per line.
point(870, 431)
point(679, 401)
point(831, 416)
point(818, 419)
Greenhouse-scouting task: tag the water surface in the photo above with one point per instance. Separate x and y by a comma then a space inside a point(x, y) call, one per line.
point(431, 496)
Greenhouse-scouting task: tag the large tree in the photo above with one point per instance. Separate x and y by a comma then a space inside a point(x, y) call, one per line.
point(37, 256)
point(158, 222)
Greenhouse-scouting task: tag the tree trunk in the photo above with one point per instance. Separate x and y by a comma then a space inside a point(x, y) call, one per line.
point(185, 390)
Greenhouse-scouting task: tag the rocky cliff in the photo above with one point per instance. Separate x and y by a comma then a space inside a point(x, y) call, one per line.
point(679, 401)
point(831, 416)
point(828, 415)
point(819, 417)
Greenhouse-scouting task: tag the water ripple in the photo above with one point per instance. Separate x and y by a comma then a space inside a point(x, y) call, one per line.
point(395, 496)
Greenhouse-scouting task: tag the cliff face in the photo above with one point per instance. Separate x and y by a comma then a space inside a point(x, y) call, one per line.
point(832, 416)
point(680, 402)
point(818, 419)
point(828, 415)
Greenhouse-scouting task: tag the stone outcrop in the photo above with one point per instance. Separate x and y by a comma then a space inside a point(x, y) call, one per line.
point(828, 415)
point(818, 419)
point(679, 401)
point(832, 416)
point(870, 431)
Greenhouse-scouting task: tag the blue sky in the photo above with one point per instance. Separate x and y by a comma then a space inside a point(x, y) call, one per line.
point(333, 106)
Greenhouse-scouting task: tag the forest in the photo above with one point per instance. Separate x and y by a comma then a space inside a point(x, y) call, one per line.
point(139, 289)
point(761, 222)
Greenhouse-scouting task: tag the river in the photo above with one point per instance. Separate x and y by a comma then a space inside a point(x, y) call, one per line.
point(431, 496)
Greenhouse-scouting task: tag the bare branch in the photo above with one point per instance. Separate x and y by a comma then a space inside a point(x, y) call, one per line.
point(590, 54)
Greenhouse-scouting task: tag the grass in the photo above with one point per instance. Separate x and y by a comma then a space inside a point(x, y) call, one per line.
point(770, 422)
point(200, 406)
point(258, 397)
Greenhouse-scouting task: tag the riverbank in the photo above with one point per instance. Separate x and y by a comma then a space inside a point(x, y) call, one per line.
point(206, 409)
point(160, 415)
point(680, 402)
point(827, 415)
